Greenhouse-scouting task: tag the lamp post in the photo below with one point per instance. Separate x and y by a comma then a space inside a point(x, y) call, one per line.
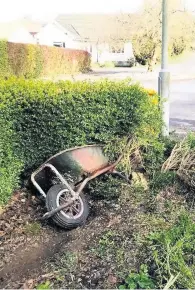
point(164, 74)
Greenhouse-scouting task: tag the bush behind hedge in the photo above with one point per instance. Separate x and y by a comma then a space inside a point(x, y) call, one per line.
point(4, 65)
point(32, 61)
point(48, 117)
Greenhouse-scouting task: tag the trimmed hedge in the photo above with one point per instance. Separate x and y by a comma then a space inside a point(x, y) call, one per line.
point(4, 66)
point(10, 164)
point(48, 117)
point(32, 61)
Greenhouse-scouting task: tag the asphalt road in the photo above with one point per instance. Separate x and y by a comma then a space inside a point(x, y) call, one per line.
point(182, 103)
point(182, 91)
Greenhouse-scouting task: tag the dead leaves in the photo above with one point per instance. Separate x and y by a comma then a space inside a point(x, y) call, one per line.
point(32, 283)
point(112, 279)
point(114, 220)
point(29, 284)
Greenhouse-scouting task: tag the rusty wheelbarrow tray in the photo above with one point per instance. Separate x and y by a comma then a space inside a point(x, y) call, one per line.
point(61, 179)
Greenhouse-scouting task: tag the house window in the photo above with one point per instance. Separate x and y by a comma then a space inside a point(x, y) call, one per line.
point(117, 49)
point(59, 44)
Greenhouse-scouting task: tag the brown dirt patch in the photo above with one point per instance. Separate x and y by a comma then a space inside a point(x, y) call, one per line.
point(31, 251)
point(96, 256)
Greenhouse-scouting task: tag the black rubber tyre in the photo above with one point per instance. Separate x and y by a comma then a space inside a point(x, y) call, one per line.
point(62, 218)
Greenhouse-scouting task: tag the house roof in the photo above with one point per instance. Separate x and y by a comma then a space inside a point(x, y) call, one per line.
point(86, 25)
point(33, 26)
point(92, 26)
point(70, 28)
point(7, 28)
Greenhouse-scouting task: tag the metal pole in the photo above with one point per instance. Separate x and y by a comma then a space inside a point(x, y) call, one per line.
point(164, 74)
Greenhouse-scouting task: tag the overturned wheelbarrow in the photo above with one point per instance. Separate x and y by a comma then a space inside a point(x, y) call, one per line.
point(62, 178)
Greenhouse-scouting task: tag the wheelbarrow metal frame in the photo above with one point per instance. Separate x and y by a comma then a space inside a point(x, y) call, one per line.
point(56, 172)
point(110, 168)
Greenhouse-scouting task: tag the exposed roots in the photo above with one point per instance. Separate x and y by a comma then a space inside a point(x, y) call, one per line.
point(173, 162)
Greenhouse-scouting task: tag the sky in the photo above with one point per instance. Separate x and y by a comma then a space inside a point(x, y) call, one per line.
point(11, 9)
point(48, 9)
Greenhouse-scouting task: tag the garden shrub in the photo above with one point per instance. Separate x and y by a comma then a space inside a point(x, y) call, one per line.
point(161, 180)
point(105, 187)
point(32, 61)
point(63, 61)
point(48, 117)
point(141, 280)
point(173, 253)
point(17, 58)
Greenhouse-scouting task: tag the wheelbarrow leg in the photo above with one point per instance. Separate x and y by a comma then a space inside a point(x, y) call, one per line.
point(115, 172)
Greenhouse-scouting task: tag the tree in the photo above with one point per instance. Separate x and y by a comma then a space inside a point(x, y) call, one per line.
point(182, 31)
point(146, 26)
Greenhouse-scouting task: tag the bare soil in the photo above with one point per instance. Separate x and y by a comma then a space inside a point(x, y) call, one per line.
point(29, 249)
point(98, 255)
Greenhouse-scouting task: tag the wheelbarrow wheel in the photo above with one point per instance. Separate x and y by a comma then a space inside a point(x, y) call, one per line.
point(71, 217)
